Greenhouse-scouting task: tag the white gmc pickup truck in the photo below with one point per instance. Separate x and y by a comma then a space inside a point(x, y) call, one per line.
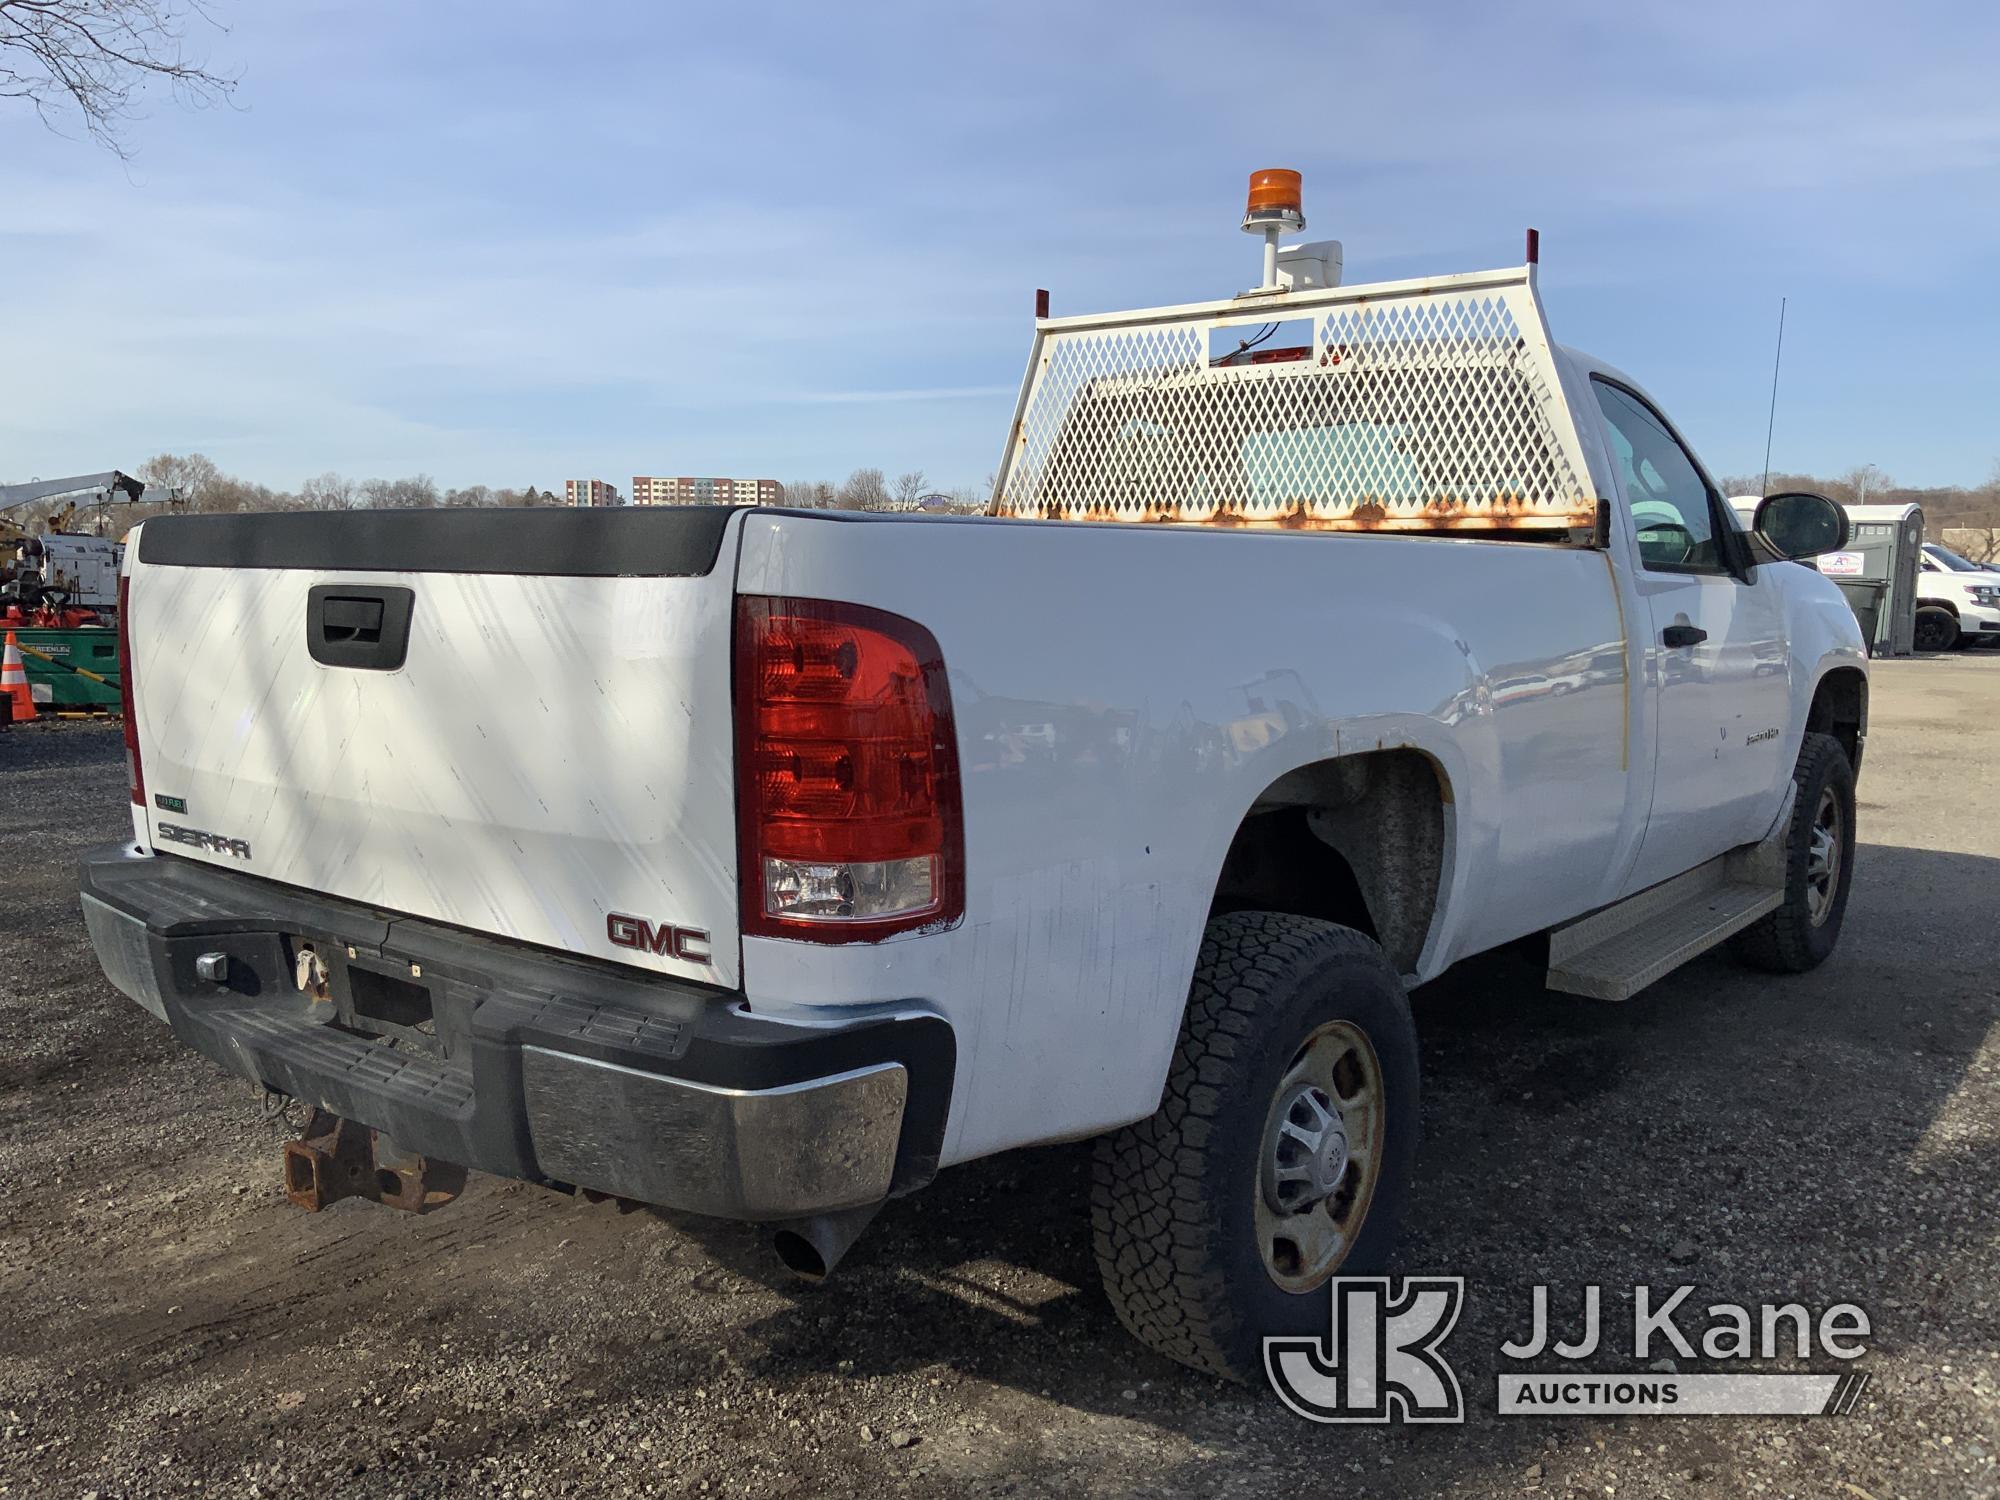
point(763, 862)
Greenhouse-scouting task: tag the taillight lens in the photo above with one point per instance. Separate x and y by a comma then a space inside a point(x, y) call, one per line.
point(138, 777)
point(849, 819)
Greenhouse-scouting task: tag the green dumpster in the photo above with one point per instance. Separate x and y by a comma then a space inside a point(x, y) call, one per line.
point(93, 648)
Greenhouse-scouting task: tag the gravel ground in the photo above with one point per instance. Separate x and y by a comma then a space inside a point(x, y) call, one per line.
point(173, 1327)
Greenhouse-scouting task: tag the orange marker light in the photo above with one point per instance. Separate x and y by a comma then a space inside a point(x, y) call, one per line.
point(1277, 197)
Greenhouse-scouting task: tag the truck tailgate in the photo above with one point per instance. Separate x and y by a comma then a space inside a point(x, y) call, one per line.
point(552, 749)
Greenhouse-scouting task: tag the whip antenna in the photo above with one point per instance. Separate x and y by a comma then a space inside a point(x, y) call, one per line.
point(1770, 426)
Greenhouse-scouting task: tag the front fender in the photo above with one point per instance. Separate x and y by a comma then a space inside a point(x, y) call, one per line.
point(1824, 637)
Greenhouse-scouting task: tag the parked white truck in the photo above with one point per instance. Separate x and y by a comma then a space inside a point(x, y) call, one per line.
point(1958, 601)
point(764, 862)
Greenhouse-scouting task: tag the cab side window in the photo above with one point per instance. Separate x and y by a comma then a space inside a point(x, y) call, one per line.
point(1671, 504)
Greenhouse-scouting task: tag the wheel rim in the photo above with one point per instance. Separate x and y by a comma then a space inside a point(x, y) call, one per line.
point(1321, 1157)
point(1824, 856)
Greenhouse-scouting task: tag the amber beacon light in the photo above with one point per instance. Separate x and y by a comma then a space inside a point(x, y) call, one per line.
point(1276, 196)
point(1275, 207)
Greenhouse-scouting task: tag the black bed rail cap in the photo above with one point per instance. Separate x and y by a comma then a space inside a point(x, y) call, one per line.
point(660, 541)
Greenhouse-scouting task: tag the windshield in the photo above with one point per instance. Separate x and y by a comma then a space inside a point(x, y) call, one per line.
point(1951, 559)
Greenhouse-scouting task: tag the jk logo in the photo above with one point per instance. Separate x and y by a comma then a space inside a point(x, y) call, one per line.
point(1380, 1362)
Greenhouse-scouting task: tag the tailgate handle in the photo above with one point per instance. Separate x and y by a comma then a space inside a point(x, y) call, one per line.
point(351, 619)
point(359, 626)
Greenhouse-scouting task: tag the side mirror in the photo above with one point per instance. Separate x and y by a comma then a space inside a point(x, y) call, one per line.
point(1798, 525)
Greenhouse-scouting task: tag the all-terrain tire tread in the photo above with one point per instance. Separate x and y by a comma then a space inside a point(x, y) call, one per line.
point(1152, 1219)
point(1777, 942)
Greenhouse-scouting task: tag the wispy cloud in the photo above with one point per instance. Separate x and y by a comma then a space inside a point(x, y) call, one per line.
point(680, 241)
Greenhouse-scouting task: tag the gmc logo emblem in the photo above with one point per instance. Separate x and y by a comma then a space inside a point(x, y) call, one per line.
point(688, 944)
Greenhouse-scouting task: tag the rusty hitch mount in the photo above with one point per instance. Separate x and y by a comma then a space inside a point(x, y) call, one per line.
point(336, 1158)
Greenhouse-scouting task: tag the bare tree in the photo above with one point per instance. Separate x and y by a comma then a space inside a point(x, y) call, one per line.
point(187, 477)
point(1979, 543)
point(808, 494)
point(229, 494)
point(909, 489)
point(419, 490)
point(1858, 484)
point(864, 490)
point(328, 491)
point(95, 57)
point(513, 498)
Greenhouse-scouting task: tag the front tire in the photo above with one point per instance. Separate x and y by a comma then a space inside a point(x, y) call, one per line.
point(1936, 629)
point(1282, 1151)
point(1819, 866)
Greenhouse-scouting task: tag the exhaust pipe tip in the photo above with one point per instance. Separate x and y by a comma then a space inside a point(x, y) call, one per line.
point(810, 1248)
point(800, 1255)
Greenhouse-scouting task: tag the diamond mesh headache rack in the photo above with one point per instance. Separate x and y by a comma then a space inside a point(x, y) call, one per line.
point(1403, 406)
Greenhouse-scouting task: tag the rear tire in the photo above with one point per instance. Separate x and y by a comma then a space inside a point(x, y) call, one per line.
point(1819, 866)
point(1937, 629)
point(1282, 1151)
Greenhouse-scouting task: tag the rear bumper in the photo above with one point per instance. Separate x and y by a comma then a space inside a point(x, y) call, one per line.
point(527, 1063)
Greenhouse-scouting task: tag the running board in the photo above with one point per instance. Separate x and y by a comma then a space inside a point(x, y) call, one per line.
point(1615, 953)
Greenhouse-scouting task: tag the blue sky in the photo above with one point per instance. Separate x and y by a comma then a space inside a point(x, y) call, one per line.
point(505, 243)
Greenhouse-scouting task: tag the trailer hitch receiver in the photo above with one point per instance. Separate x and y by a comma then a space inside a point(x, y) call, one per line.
point(337, 1159)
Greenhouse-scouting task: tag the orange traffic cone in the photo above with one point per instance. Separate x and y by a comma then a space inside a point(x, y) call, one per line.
point(14, 681)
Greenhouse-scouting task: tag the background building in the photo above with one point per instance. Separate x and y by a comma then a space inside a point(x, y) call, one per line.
point(590, 492)
point(647, 490)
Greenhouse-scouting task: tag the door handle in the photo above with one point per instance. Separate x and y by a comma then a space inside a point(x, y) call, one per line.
point(1683, 635)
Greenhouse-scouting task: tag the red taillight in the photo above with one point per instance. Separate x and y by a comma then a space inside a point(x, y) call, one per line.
point(125, 689)
point(848, 813)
